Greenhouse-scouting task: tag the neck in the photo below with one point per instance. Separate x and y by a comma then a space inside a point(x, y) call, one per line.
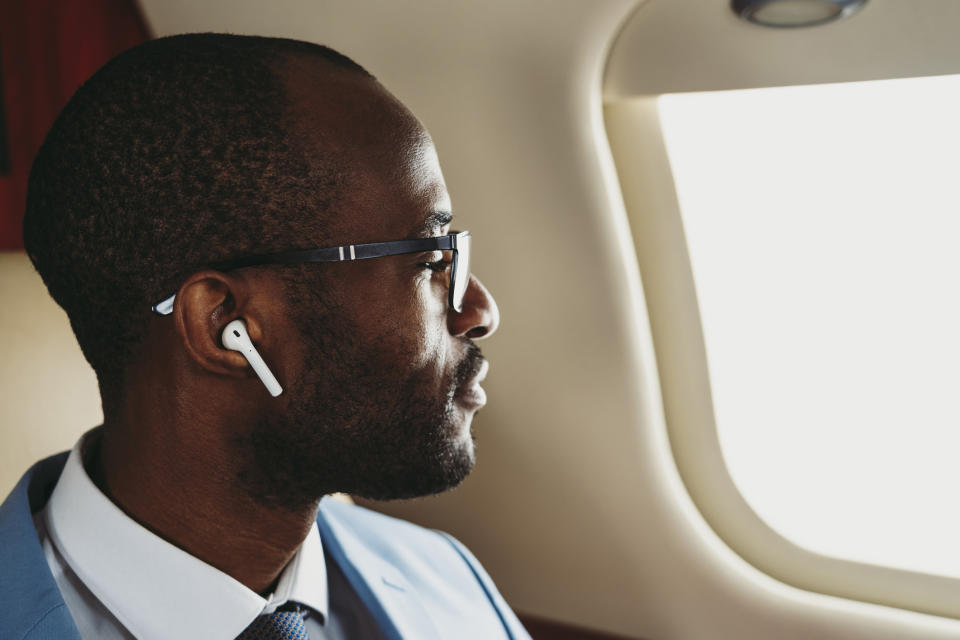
point(181, 485)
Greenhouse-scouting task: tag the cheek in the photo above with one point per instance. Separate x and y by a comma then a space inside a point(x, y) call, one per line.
point(403, 326)
point(426, 329)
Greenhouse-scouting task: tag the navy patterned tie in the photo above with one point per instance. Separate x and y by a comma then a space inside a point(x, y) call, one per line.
point(279, 625)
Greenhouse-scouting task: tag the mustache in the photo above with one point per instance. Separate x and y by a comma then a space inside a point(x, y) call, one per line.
point(469, 367)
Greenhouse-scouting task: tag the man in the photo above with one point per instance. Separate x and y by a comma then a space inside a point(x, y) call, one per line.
point(186, 189)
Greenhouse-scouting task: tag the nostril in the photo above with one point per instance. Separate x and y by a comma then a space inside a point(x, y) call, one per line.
point(477, 332)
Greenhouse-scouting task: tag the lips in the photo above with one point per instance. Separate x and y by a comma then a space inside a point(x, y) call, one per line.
point(471, 393)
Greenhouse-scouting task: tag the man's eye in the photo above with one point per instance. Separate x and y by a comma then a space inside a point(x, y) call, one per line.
point(439, 265)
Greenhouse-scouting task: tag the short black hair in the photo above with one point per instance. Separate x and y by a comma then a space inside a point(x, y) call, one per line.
point(177, 154)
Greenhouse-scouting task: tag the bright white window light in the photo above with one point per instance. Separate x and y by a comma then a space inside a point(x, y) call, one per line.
point(823, 225)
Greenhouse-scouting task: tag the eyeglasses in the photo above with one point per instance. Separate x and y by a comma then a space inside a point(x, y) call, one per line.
point(458, 242)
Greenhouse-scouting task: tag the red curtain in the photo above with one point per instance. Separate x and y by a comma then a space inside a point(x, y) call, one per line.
point(48, 48)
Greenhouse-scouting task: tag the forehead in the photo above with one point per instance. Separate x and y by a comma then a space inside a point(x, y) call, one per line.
point(392, 177)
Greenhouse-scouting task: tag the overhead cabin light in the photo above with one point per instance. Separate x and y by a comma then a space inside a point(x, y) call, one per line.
point(794, 13)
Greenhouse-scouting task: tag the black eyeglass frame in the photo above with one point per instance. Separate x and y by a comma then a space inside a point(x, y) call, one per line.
point(453, 241)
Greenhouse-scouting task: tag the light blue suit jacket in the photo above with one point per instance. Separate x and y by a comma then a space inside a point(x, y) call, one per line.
point(417, 583)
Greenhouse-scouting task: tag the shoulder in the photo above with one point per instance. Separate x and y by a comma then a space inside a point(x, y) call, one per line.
point(378, 528)
point(448, 578)
point(405, 544)
point(30, 601)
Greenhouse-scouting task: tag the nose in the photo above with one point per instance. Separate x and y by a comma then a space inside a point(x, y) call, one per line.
point(480, 316)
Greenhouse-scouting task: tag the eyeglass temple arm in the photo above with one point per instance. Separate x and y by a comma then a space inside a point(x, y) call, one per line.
point(328, 254)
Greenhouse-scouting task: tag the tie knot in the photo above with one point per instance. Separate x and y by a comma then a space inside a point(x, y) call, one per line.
point(279, 625)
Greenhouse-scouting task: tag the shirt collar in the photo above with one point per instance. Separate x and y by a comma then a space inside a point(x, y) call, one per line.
point(153, 587)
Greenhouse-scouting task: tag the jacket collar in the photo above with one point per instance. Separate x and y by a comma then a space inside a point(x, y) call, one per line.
point(29, 597)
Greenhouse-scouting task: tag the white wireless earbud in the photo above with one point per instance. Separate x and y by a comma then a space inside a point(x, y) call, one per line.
point(235, 338)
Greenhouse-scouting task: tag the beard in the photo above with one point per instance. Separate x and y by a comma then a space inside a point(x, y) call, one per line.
point(359, 425)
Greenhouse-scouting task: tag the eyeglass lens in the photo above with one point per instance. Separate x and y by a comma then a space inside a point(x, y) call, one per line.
point(461, 273)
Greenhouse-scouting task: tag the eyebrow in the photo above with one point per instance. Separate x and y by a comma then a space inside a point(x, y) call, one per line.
point(433, 220)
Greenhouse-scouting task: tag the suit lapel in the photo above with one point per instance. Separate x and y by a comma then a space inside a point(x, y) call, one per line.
point(388, 595)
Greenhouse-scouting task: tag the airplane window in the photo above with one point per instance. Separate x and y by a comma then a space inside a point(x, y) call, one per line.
point(823, 225)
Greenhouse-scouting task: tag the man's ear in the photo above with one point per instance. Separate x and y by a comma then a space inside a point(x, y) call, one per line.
point(206, 302)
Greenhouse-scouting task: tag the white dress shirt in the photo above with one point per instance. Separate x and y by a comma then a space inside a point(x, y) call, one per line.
point(120, 580)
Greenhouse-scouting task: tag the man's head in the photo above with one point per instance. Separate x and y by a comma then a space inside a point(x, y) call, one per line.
point(191, 150)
